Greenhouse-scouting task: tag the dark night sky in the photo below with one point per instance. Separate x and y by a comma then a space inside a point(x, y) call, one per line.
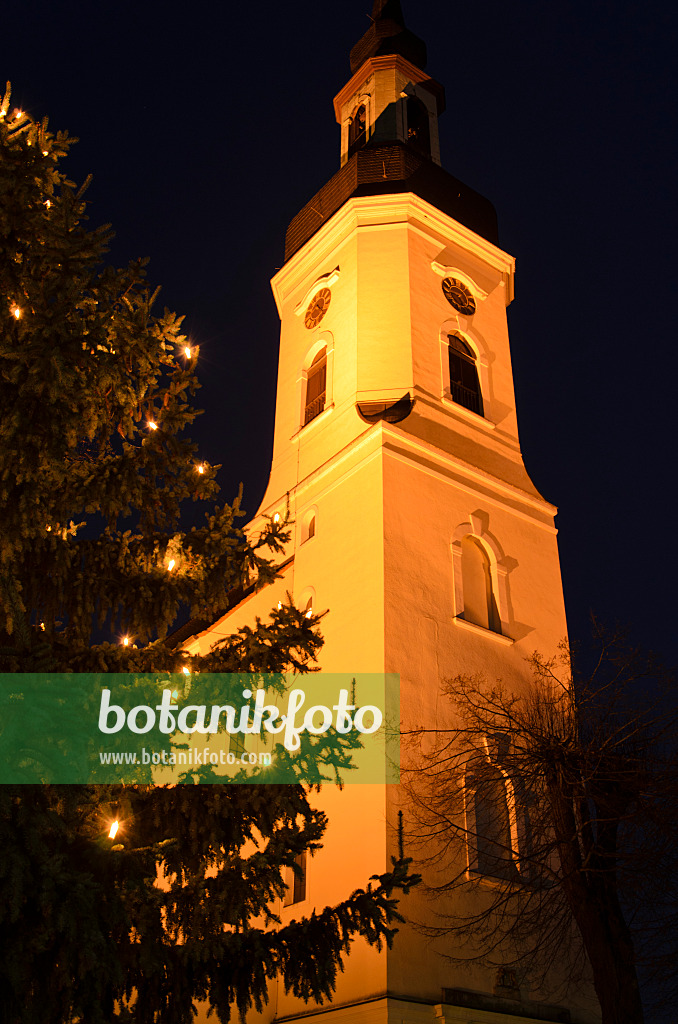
point(207, 126)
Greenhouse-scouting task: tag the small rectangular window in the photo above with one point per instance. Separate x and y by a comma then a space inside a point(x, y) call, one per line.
point(296, 882)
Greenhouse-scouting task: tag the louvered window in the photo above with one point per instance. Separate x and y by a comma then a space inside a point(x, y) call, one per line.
point(464, 383)
point(316, 384)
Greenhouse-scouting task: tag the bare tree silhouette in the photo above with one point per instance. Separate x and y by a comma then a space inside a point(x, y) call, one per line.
point(548, 817)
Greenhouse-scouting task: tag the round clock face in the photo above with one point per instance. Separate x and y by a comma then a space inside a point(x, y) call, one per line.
point(459, 296)
point(317, 307)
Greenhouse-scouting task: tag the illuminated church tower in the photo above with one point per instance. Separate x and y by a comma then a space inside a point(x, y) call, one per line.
point(396, 450)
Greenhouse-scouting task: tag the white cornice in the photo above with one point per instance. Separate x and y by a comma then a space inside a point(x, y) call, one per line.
point(390, 440)
point(383, 210)
point(472, 473)
point(388, 62)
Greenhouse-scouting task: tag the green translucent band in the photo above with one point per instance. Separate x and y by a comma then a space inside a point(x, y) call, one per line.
point(200, 728)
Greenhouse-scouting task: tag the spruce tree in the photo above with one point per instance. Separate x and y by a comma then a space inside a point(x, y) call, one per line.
point(96, 390)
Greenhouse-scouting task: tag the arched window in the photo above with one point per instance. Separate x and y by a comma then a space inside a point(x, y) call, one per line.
point(316, 384)
point(480, 605)
point(464, 382)
point(418, 131)
point(306, 601)
point(494, 854)
point(308, 527)
point(357, 130)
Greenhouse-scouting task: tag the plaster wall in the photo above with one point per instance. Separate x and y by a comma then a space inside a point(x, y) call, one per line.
point(342, 567)
point(428, 645)
point(389, 502)
point(384, 332)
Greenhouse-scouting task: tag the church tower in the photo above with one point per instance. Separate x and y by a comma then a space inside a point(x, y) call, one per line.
point(396, 450)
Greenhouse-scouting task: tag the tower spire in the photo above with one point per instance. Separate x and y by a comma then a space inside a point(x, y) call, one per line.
point(388, 35)
point(388, 9)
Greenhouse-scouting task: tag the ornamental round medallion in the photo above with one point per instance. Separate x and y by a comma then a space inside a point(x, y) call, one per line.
point(317, 307)
point(459, 296)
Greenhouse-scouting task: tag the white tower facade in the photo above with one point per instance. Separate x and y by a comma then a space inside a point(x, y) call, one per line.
point(396, 451)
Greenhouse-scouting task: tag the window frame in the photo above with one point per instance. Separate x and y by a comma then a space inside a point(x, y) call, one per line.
point(297, 886)
point(316, 368)
point(491, 770)
point(355, 141)
point(488, 584)
point(323, 340)
point(466, 355)
point(477, 527)
point(421, 146)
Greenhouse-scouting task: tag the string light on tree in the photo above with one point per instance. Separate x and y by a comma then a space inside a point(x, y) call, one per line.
point(171, 564)
point(16, 312)
point(111, 313)
point(200, 468)
point(187, 352)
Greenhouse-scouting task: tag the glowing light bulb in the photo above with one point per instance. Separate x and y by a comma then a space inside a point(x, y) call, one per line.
point(152, 425)
point(309, 613)
point(187, 352)
point(186, 671)
point(113, 831)
point(44, 152)
point(125, 641)
point(48, 203)
point(171, 564)
point(42, 626)
point(49, 529)
point(18, 113)
point(279, 605)
point(276, 517)
point(200, 468)
point(16, 313)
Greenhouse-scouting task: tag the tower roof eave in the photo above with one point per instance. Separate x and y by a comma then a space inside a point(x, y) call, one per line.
point(393, 168)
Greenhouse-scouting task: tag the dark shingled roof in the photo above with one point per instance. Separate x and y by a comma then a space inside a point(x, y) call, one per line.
point(387, 34)
point(392, 168)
